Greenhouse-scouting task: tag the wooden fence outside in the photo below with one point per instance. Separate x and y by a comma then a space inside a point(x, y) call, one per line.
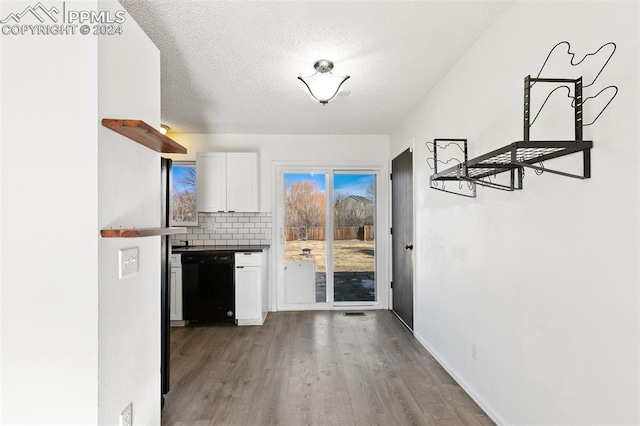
point(364, 233)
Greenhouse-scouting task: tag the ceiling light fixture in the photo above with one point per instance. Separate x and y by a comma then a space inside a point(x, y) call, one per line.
point(164, 129)
point(323, 86)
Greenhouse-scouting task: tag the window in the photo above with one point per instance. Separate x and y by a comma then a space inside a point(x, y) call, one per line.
point(183, 194)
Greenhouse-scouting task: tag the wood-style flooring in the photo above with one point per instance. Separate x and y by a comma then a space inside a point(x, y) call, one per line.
point(311, 368)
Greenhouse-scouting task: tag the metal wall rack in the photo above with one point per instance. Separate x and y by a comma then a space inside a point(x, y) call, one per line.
point(517, 156)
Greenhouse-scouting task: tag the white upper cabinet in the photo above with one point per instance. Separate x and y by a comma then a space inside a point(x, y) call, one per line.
point(227, 182)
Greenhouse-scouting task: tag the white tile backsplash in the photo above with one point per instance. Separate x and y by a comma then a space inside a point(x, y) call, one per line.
point(228, 229)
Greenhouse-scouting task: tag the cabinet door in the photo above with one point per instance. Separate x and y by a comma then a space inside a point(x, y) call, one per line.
point(176, 294)
point(211, 181)
point(242, 181)
point(248, 293)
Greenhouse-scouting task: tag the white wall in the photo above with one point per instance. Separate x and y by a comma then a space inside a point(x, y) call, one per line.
point(544, 280)
point(49, 225)
point(129, 196)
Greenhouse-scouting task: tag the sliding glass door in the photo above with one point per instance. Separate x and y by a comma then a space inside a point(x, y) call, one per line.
point(328, 239)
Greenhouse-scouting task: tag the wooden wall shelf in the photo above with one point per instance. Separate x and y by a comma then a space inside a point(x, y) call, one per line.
point(140, 232)
point(141, 132)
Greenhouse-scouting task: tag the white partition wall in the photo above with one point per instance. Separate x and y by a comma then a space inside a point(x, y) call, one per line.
point(129, 196)
point(78, 344)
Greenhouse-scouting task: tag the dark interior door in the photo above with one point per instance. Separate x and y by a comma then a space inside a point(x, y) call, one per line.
point(402, 236)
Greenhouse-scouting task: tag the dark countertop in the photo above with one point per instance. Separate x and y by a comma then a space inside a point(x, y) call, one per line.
point(235, 248)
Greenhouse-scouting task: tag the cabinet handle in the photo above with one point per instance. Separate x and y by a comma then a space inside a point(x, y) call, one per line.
point(239, 267)
point(232, 211)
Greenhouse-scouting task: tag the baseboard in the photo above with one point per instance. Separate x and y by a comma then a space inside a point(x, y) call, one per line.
point(488, 409)
point(178, 323)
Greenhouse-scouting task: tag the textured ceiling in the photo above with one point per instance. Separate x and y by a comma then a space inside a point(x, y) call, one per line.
point(231, 66)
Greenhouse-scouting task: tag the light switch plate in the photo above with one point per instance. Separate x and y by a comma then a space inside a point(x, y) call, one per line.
point(128, 261)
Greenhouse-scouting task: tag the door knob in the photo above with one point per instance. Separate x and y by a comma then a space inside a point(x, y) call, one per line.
point(408, 247)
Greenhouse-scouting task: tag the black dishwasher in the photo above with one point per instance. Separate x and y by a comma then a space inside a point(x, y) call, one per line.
point(208, 289)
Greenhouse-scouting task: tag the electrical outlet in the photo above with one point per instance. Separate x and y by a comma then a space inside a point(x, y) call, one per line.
point(128, 262)
point(475, 351)
point(126, 417)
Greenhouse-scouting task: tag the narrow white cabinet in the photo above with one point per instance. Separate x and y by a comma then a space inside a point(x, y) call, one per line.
point(175, 314)
point(227, 182)
point(251, 288)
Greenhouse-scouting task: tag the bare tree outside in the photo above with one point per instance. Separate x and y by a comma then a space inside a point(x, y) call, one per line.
point(183, 196)
point(371, 190)
point(304, 205)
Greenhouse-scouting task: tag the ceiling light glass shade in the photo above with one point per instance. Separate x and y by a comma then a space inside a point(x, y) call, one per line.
point(323, 86)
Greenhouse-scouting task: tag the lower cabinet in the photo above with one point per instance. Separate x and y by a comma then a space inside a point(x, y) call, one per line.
point(251, 287)
point(251, 293)
point(176, 290)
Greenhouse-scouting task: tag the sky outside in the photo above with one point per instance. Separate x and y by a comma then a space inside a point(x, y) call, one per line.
point(351, 184)
point(177, 173)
